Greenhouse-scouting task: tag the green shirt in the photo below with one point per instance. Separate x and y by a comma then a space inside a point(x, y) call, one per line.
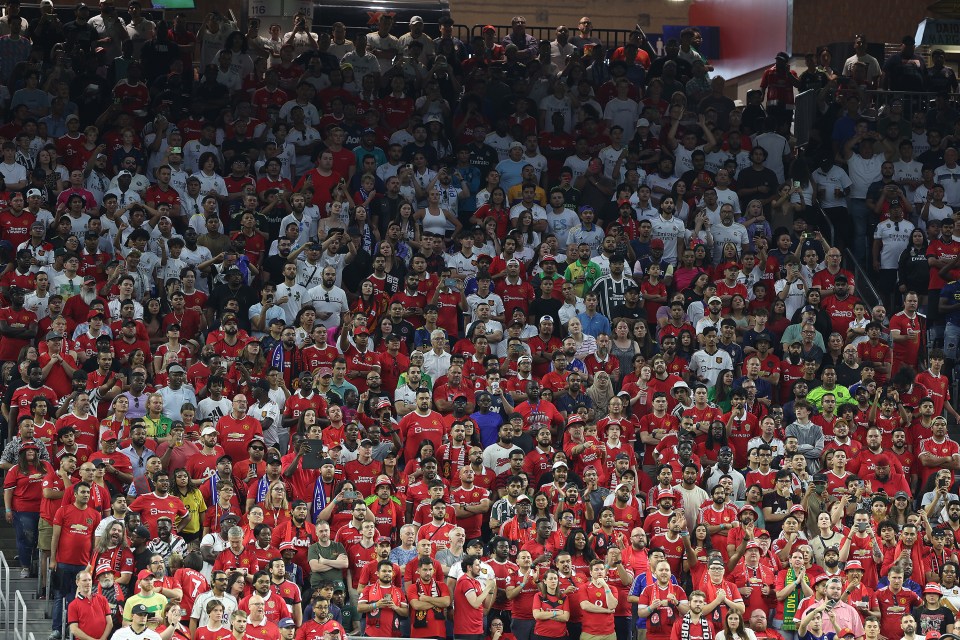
point(154, 604)
point(317, 552)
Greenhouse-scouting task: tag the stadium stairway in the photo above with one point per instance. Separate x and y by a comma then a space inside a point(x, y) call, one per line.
point(37, 610)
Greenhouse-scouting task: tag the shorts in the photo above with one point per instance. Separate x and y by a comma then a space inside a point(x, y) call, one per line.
point(590, 636)
point(44, 535)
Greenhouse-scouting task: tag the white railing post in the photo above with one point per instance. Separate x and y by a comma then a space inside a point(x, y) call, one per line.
point(19, 626)
point(5, 593)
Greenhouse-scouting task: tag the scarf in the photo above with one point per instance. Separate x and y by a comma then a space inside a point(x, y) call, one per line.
point(447, 468)
point(790, 604)
point(706, 631)
point(262, 485)
point(214, 494)
point(319, 502)
point(420, 617)
point(920, 565)
point(276, 357)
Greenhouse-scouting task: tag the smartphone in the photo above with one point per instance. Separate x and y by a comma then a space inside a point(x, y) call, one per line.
point(796, 184)
point(861, 526)
point(943, 482)
point(450, 282)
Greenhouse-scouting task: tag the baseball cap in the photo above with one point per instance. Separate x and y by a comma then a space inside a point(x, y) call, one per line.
point(229, 516)
point(34, 192)
point(523, 497)
point(287, 623)
point(853, 565)
point(176, 368)
point(489, 27)
point(416, 20)
point(145, 573)
point(208, 430)
point(714, 299)
point(383, 403)
point(560, 463)
point(108, 435)
point(548, 257)
point(139, 609)
point(656, 243)
point(754, 545)
point(383, 539)
point(643, 122)
point(516, 145)
point(844, 632)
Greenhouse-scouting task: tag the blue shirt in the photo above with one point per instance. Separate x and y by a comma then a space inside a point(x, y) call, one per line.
point(951, 291)
point(489, 424)
point(596, 325)
point(510, 172)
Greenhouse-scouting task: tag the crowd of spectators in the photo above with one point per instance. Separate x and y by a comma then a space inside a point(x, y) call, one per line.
point(323, 332)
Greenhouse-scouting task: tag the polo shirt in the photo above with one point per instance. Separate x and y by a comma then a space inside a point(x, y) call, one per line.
point(89, 614)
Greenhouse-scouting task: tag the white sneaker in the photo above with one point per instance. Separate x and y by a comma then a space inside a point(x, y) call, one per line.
point(24, 572)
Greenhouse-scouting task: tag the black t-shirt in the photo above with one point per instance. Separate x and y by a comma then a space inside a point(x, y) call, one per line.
point(938, 619)
point(778, 505)
point(750, 178)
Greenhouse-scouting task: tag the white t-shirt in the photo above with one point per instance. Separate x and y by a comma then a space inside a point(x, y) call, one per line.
point(835, 178)
point(13, 173)
point(863, 172)
point(895, 237)
point(709, 366)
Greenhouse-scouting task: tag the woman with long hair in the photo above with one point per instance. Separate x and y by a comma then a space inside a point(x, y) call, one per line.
point(426, 449)
point(524, 228)
point(623, 347)
point(698, 285)
point(686, 345)
point(910, 268)
point(738, 312)
point(755, 221)
point(371, 303)
point(719, 394)
point(172, 616)
point(686, 271)
point(276, 508)
point(581, 553)
point(648, 347)
point(192, 499)
point(365, 235)
point(733, 628)
point(117, 420)
point(541, 509)
point(22, 495)
point(778, 321)
point(702, 546)
point(410, 231)
point(496, 208)
point(390, 468)
point(551, 608)
point(153, 321)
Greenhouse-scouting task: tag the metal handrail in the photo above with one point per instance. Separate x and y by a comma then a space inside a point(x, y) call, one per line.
point(863, 285)
point(610, 38)
point(5, 592)
point(19, 605)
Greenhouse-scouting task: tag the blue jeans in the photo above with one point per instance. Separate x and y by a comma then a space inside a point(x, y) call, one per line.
point(25, 526)
point(66, 591)
point(860, 215)
point(951, 341)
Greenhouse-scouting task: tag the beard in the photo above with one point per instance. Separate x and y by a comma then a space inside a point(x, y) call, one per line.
point(88, 296)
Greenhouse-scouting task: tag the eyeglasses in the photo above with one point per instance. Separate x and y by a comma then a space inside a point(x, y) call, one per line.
point(257, 449)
